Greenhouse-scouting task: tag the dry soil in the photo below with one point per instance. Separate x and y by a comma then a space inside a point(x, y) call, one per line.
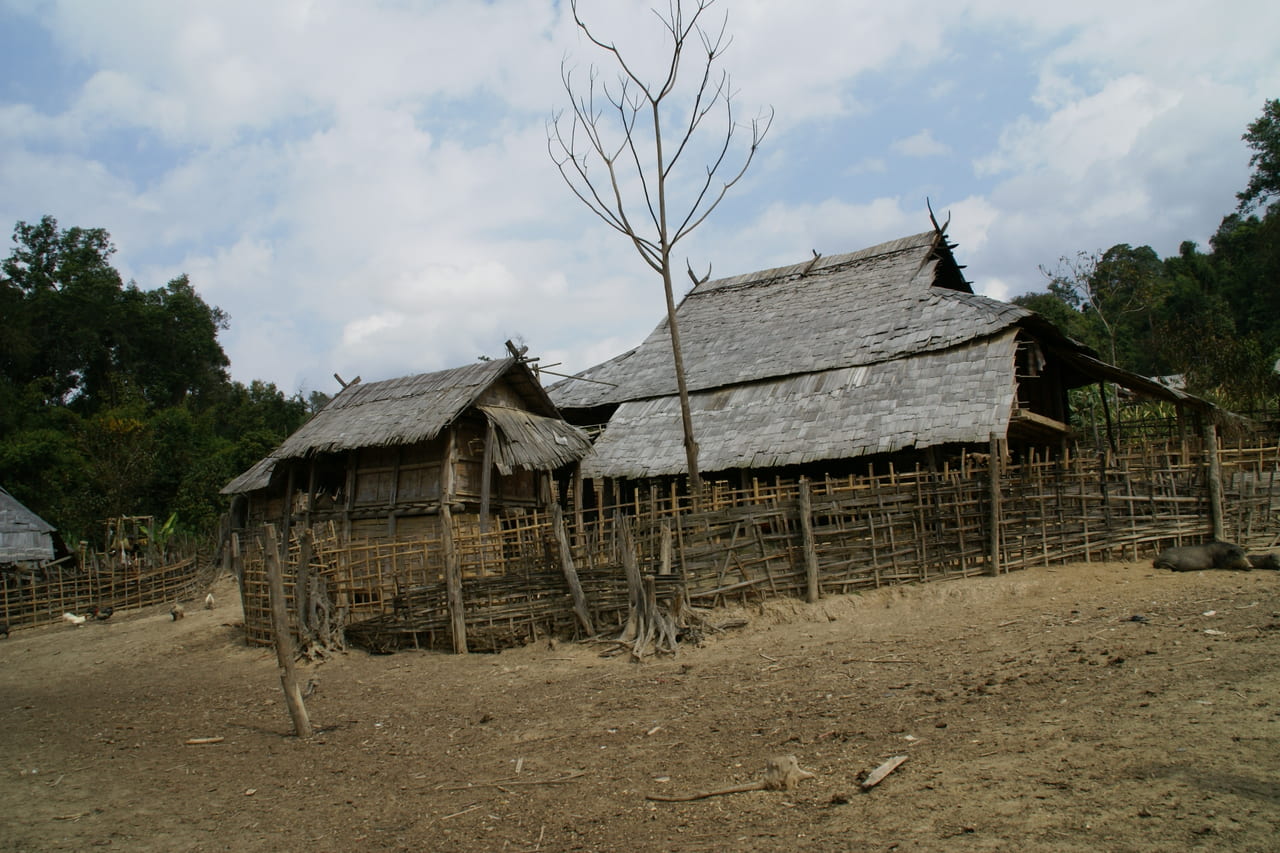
point(1082, 707)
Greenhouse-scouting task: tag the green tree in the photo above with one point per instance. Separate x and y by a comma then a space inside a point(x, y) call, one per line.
point(1116, 293)
point(1263, 136)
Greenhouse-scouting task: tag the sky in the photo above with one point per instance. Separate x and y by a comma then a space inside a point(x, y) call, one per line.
point(365, 187)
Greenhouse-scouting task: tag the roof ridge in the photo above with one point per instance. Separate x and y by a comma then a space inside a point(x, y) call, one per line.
point(825, 264)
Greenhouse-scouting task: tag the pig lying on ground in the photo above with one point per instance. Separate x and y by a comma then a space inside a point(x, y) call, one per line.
point(1265, 561)
point(1194, 558)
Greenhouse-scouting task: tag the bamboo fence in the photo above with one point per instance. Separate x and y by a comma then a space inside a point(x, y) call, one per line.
point(747, 544)
point(40, 597)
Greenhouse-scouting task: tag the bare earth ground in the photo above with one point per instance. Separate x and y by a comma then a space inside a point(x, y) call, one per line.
point(1036, 712)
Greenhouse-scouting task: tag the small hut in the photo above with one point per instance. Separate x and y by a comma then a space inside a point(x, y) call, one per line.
point(419, 459)
point(24, 536)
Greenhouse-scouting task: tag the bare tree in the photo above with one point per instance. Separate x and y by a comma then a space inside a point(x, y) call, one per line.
point(611, 148)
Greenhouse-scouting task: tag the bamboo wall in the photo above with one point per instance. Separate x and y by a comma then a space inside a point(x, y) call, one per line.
point(746, 544)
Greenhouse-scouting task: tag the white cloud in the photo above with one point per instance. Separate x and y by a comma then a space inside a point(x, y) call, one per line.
point(365, 187)
point(921, 144)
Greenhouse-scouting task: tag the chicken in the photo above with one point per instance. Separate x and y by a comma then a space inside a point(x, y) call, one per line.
point(72, 619)
point(176, 612)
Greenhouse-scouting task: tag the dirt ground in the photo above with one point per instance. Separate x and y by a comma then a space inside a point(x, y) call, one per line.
point(1085, 707)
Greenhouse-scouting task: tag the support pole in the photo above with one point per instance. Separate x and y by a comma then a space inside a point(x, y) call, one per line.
point(283, 638)
point(812, 590)
point(1215, 479)
point(994, 465)
point(452, 566)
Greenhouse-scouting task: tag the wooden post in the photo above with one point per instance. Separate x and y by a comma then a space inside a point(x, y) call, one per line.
point(1215, 479)
point(812, 590)
point(283, 637)
point(452, 566)
point(570, 572)
point(486, 476)
point(995, 463)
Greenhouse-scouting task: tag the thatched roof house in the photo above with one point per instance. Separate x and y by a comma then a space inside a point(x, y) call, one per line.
point(404, 446)
point(837, 358)
point(24, 536)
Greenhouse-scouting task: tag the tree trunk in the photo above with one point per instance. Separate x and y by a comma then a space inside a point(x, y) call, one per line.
point(686, 415)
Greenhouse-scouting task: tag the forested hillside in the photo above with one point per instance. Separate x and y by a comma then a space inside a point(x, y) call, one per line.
point(1212, 317)
point(116, 400)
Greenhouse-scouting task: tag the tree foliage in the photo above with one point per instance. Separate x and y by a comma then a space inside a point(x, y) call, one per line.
point(1263, 136)
point(115, 399)
point(1213, 318)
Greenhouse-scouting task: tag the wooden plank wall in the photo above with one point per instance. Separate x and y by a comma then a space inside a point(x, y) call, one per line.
point(745, 544)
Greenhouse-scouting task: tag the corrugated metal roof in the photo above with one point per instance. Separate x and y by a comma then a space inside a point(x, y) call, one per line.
point(957, 395)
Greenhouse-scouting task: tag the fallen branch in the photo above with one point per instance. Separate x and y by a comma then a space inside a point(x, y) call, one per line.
point(200, 741)
point(781, 773)
point(877, 660)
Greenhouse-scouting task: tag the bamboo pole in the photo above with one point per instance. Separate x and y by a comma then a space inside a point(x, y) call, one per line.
point(812, 589)
point(283, 638)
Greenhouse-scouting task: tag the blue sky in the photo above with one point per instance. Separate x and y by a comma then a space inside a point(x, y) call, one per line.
point(364, 187)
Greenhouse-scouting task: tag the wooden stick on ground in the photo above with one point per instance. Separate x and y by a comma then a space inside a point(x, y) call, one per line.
point(876, 776)
point(781, 773)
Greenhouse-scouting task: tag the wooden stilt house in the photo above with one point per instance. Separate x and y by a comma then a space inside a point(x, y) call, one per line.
point(420, 459)
point(884, 353)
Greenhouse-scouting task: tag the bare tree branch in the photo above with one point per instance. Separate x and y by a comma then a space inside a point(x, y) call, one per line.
point(641, 168)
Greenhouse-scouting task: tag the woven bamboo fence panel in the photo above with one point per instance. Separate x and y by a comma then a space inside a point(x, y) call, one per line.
point(746, 544)
point(28, 599)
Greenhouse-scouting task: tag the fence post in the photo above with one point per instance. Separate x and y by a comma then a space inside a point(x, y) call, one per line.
point(283, 637)
point(993, 467)
point(570, 572)
point(1215, 479)
point(812, 590)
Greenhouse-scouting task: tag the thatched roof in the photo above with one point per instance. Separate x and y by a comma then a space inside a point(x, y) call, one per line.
point(24, 536)
point(414, 409)
point(834, 358)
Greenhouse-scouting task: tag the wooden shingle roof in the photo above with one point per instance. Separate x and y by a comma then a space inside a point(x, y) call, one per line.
point(931, 398)
point(24, 536)
point(898, 298)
